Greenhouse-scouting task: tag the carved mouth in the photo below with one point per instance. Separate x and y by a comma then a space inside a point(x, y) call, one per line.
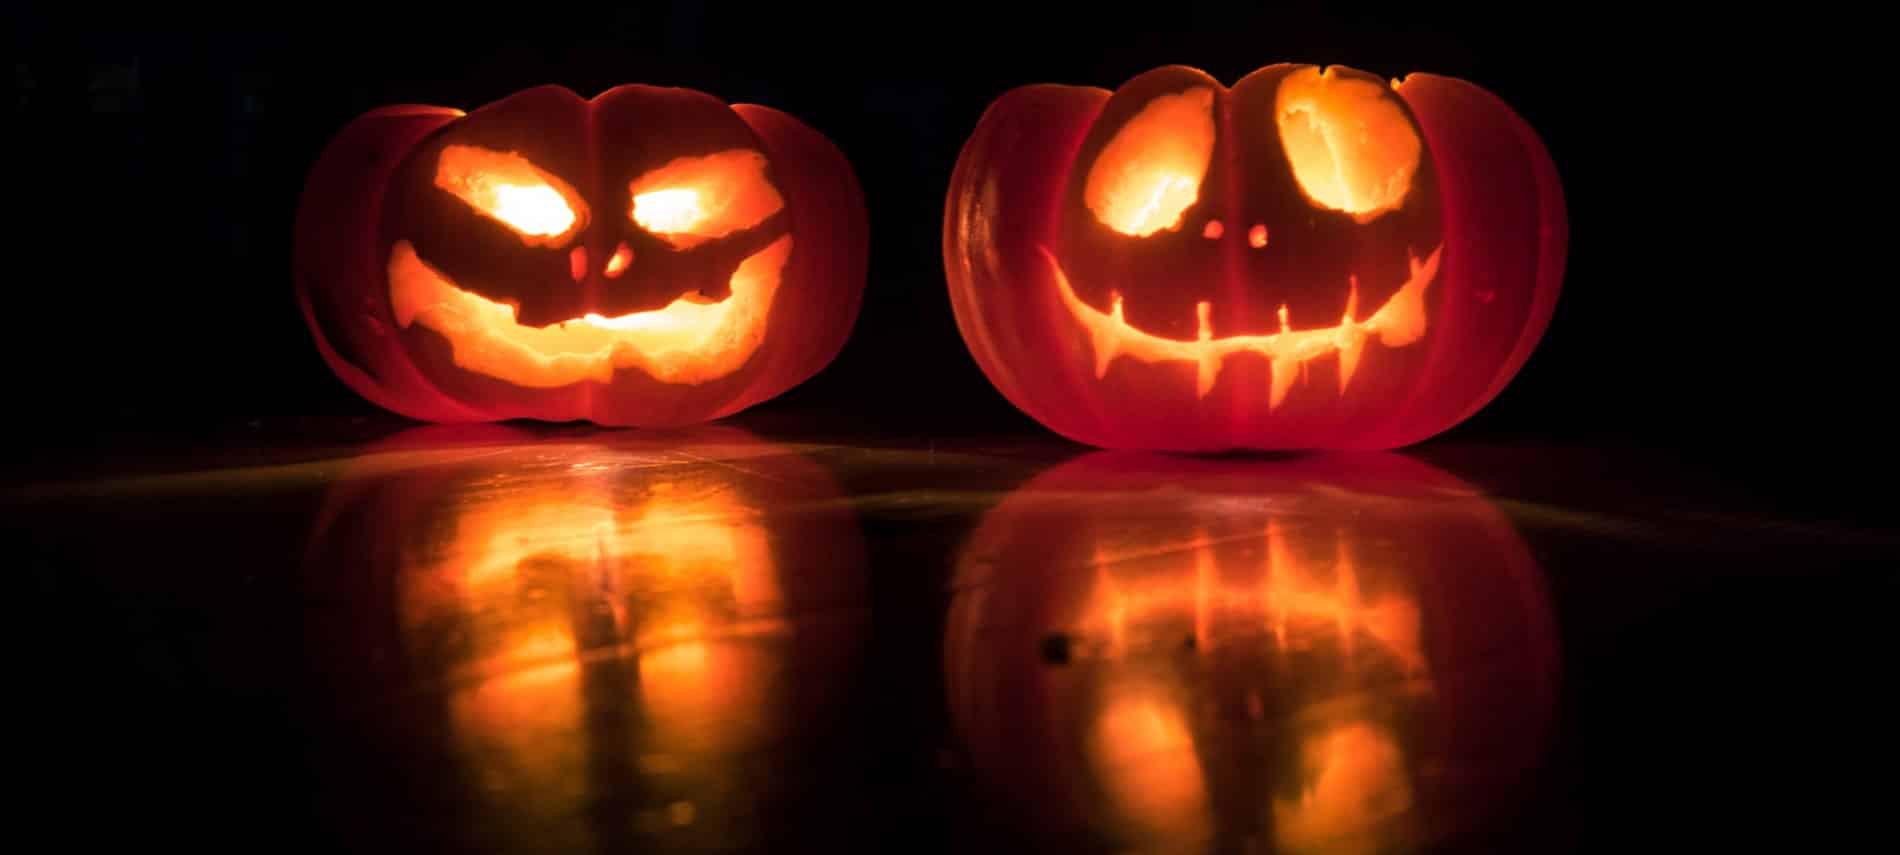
point(683, 342)
point(1401, 321)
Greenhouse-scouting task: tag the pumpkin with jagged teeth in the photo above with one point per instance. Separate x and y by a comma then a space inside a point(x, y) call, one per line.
point(648, 257)
point(1309, 258)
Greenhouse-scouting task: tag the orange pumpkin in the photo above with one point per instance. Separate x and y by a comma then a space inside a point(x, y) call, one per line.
point(1313, 258)
point(648, 257)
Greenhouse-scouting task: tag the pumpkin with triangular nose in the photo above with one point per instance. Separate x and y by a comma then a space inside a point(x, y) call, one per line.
point(1311, 258)
point(652, 256)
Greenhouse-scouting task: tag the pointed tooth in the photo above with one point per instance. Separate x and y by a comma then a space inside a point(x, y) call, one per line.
point(1208, 369)
point(1353, 344)
point(1285, 370)
point(1108, 338)
point(1351, 339)
point(1105, 337)
point(1286, 324)
point(1402, 320)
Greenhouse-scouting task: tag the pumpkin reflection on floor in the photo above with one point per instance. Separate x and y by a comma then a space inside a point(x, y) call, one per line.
point(619, 632)
point(1338, 654)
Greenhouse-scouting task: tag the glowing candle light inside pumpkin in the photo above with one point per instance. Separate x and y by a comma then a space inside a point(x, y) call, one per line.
point(1156, 165)
point(537, 210)
point(1351, 148)
point(505, 187)
point(668, 210)
point(692, 200)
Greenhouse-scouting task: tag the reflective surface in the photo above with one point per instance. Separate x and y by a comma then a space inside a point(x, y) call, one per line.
point(1316, 655)
point(378, 638)
point(623, 638)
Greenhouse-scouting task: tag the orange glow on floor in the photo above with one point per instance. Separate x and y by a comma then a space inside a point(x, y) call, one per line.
point(684, 342)
point(516, 569)
point(671, 541)
point(704, 693)
point(1257, 588)
point(1287, 596)
point(507, 188)
point(1150, 172)
point(1144, 756)
point(1401, 321)
point(1351, 146)
point(1294, 592)
point(1359, 782)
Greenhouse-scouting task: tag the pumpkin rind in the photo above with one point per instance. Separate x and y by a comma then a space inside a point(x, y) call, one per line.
point(1405, 312)
point(383, 207)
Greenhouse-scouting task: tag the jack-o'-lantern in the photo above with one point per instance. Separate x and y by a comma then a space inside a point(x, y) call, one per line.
point(1203, 655)
point(650, 257)
point(631, 622)
point(1313, 258)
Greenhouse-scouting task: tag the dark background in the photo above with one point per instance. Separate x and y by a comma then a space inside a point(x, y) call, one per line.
point(168, 153)
point(1713, 314)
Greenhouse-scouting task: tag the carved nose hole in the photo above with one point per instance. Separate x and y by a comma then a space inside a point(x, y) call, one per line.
point(577, 263)
point(618, 263)
point(1213, 230)
point(1257, 236)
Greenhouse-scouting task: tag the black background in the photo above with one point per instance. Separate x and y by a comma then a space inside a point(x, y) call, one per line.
point(1712, 307)
point(168, 153)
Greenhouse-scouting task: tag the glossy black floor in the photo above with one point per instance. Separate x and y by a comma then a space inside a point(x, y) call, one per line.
point(359, 635)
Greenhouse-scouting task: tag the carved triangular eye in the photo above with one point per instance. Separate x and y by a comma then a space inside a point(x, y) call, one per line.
point(1351, 146)
point(1151, 171)
point(692, 200)
point(505, 187)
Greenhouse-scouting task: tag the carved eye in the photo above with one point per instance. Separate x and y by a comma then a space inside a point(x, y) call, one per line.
point(692, 200)
point(507, 188)
point(1150, 172)
point(1351, 147)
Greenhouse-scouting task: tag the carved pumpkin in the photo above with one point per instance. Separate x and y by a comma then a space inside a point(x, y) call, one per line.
point(606, 621)
point(1310, 259)
point(650, 257)
point(1200, 655)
